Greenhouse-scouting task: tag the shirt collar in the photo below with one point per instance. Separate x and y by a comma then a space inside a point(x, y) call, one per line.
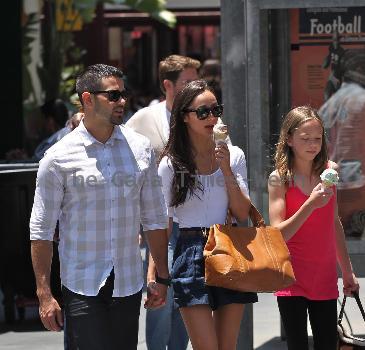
point(89, 139)
point(163, 107)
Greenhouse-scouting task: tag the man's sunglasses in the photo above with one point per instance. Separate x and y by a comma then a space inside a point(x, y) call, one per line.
point(113, 95)
point(203, 112)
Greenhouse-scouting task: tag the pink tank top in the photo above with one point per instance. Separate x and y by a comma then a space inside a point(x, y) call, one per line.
point(312, 250)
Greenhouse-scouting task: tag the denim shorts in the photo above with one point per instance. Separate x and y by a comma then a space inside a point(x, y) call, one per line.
point(188, 277)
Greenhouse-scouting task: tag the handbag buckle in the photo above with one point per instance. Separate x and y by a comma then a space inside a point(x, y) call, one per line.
point(205, 232)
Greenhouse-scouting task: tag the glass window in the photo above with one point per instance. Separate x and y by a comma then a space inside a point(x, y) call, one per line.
point(201, 41)
point(325, 51)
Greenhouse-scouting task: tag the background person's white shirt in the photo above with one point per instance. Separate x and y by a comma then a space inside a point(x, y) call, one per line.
point(154, 123)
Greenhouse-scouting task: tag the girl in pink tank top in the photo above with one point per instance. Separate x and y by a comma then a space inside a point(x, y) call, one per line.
point(306, 213)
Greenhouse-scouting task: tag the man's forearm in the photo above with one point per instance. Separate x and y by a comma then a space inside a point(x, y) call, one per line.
point(157, 241)
point(42, 252)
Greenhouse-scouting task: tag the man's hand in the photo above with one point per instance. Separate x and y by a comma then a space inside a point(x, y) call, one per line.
point(156, 295)
point(50, 314)
point(49, 310)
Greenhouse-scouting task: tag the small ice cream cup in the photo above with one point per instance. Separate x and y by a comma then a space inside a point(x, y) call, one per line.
point(329, 178)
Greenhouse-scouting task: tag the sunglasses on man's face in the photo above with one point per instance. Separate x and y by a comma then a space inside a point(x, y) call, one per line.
point(203, 112)
point(113, 95)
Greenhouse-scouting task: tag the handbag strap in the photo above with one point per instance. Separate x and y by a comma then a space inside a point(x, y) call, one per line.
point(358, 301)
point(254, 214)
point(256, 217)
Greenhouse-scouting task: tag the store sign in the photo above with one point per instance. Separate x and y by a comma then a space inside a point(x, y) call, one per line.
point(319, 21)
point(317, 27)
point(67, 17)
point(319, 38)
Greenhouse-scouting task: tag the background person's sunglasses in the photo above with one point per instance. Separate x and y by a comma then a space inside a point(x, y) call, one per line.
point(113, 95)
point(203, 112)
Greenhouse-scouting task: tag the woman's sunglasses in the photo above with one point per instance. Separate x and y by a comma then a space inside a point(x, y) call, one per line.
point(203, 112)
point(113, 95)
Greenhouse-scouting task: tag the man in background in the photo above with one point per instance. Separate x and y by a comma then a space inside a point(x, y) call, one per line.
point(343, 116)
point(164, 326)
point(55, 117)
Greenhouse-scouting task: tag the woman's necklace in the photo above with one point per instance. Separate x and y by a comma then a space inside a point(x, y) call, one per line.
point(206, 163)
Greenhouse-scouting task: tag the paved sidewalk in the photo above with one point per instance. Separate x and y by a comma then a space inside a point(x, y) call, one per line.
point(30, 334)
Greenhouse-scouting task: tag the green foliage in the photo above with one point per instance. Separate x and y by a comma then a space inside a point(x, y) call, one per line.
point(54, 47)
point(70, 72)
point(28, 36)
point(61, 59)
point(86, 9)
point(156, 8)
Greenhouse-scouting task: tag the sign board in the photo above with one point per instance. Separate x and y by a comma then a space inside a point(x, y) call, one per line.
point(67, 17)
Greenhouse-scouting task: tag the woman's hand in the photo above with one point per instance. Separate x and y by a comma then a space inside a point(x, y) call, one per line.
point(222, 157)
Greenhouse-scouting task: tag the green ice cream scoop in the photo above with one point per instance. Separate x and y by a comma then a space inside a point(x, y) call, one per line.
point(329, 177)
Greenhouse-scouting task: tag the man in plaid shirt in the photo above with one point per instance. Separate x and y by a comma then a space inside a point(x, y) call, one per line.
point(100, 181)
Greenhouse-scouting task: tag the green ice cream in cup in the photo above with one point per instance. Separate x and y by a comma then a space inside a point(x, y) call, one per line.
point(329, 177)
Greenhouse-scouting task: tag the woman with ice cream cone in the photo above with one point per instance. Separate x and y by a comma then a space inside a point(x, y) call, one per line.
point(303, 205)
point(200, 181)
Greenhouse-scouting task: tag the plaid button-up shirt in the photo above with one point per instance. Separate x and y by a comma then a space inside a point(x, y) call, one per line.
point(100, 193)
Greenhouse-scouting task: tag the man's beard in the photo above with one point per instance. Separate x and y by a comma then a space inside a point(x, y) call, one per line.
point(116, 121)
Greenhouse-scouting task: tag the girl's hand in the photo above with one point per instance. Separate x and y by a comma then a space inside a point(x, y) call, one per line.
point(222, 157)
point(350, 284)
point(319, 196)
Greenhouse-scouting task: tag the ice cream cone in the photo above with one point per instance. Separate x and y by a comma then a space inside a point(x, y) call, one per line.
point(220, 133)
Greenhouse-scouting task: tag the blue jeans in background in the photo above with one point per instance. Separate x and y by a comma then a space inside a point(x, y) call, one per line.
point(164, 326)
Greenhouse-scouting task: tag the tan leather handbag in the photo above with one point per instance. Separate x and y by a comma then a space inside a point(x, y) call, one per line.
point(247, 259)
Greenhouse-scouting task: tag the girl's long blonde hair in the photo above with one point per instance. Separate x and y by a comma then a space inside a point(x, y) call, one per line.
point(284, 157)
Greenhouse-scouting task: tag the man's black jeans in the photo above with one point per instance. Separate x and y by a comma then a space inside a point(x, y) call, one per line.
point(102, 322)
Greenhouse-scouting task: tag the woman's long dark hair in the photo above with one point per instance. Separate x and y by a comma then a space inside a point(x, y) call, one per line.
point(179, 149)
